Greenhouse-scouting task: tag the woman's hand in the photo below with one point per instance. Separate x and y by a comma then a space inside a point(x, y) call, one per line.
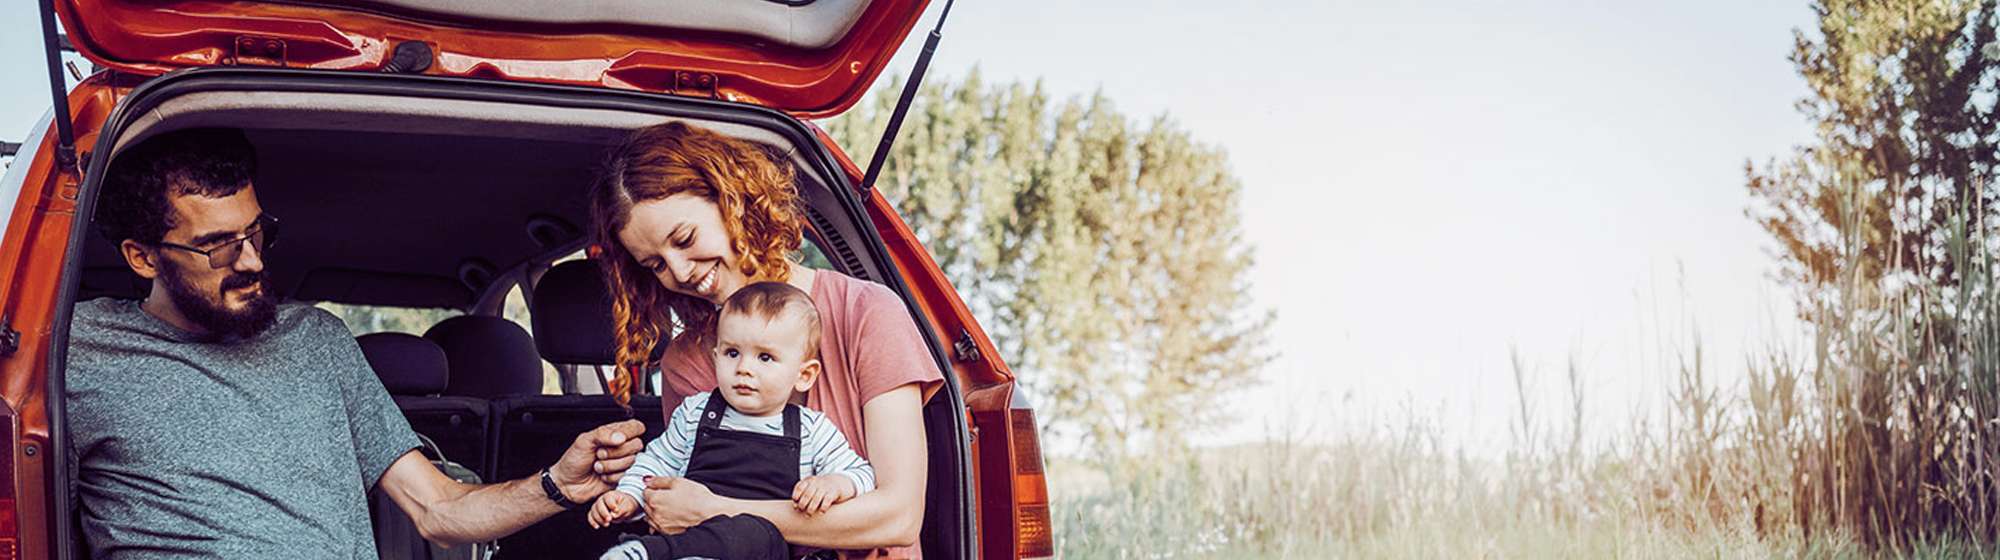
point(673, 504)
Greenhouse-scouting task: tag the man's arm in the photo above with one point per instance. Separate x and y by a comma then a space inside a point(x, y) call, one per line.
point(449, 512)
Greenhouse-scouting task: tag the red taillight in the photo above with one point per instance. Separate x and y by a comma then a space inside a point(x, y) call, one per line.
point(1015, 519)
point(1034, 531)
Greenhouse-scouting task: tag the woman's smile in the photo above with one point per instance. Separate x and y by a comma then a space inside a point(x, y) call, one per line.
point(681, 240)
point(707, 285)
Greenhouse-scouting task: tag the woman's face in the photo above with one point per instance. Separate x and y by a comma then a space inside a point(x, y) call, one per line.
point(680, 239)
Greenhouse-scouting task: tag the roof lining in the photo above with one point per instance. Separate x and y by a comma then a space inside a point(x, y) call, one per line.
point(268, 113)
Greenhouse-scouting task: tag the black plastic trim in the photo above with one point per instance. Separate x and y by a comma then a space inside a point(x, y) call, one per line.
point(52, 48)
point(150, 94)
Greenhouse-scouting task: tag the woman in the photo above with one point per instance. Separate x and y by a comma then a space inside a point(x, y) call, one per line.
point(685, 217)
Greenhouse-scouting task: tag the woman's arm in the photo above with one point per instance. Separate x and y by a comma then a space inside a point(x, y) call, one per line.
point(889, 516)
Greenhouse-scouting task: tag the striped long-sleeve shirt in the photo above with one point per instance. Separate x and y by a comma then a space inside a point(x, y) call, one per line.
point(822, 449)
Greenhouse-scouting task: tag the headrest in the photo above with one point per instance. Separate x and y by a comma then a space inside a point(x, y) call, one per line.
point(489, 357)
point(571, 313)
point(407, 364)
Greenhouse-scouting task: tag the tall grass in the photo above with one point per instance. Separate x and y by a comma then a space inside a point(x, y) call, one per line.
point(1889, 432)
point(1881, 441)
point(1753, 473)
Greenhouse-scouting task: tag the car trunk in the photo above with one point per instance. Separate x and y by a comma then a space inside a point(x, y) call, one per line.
point(393, 187)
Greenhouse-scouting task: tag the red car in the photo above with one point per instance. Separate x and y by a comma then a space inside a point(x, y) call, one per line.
point(435, 155)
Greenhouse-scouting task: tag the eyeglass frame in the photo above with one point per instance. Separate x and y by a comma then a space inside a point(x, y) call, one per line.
point(266, 226)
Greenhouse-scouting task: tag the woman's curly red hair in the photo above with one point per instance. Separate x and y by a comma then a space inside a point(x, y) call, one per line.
point(758, 201)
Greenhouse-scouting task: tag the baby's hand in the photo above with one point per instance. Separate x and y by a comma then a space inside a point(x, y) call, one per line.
point(612, 507)
point(817, 493)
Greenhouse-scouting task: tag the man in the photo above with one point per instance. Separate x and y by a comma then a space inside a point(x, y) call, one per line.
point(207, 420)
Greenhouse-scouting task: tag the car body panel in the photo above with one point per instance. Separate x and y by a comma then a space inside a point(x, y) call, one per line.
point(31, 262)
point(152, 37)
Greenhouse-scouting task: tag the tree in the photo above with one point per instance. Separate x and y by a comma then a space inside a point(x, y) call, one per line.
point(1903, 103)
point(1108, 257)
point(1885, 228)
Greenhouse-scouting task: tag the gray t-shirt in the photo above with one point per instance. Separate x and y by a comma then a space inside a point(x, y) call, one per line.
point(262, 448)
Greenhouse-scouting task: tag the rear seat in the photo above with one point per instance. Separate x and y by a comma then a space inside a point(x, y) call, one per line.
point(490, 357)
point(415, 371)
point(571, 314)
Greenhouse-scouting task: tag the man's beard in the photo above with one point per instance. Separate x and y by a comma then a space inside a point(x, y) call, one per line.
point(208, 312)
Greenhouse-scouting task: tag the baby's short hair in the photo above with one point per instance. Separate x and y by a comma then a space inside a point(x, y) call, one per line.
point(772, 300)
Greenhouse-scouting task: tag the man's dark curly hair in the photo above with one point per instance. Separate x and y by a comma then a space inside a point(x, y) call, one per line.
point(211, 162)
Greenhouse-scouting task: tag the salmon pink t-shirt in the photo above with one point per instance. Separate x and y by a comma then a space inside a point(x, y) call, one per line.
point(868, 345)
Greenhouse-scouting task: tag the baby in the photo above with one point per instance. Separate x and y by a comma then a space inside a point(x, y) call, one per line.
point(745, 439)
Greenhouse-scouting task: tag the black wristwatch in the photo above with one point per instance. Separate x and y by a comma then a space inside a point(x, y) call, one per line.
point(555, 492)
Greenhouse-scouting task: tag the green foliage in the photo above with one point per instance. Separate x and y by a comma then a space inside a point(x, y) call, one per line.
point(1903, 102)
point(365, 319)
point(1106, 258)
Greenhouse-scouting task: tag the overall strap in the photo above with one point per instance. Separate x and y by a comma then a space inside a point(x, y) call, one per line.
point(711, 415)
point(792, 421)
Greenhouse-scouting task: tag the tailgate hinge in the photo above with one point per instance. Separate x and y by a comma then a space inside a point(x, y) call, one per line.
point(258, 51)
point(696, 84)
point(964, 349)
point(10, 339)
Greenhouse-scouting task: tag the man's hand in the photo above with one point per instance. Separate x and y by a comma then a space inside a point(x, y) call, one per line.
point(593, 464)
point(815, 494)
point(612, 507)
point(673, 504)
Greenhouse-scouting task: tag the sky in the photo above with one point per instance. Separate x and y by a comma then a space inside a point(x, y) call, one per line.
point(1430, 188)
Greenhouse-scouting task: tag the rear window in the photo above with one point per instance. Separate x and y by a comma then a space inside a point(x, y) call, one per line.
point(365, 319)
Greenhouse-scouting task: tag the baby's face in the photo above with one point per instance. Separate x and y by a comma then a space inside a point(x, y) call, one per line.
point(758, 362)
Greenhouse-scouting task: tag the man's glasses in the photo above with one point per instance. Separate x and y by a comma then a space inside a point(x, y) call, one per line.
point(223, 254)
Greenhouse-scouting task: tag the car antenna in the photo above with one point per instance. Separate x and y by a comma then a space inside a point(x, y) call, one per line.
point(52, 49)
point(903, 104)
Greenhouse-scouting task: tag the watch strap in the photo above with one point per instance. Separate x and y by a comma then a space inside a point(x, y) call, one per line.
point(555, 492)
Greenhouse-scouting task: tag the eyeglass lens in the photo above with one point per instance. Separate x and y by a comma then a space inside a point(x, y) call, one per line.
point(226, 255)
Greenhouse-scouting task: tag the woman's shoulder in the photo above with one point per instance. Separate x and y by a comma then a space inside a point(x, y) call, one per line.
point(840, 293)
point(873, 329)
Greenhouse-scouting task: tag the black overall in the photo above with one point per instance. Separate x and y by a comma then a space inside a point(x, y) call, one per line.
point(741, 465)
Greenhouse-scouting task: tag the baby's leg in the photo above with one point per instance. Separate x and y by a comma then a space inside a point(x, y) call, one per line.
point(728, 537)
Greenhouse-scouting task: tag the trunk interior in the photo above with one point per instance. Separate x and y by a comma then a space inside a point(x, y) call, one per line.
point(437, 193)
